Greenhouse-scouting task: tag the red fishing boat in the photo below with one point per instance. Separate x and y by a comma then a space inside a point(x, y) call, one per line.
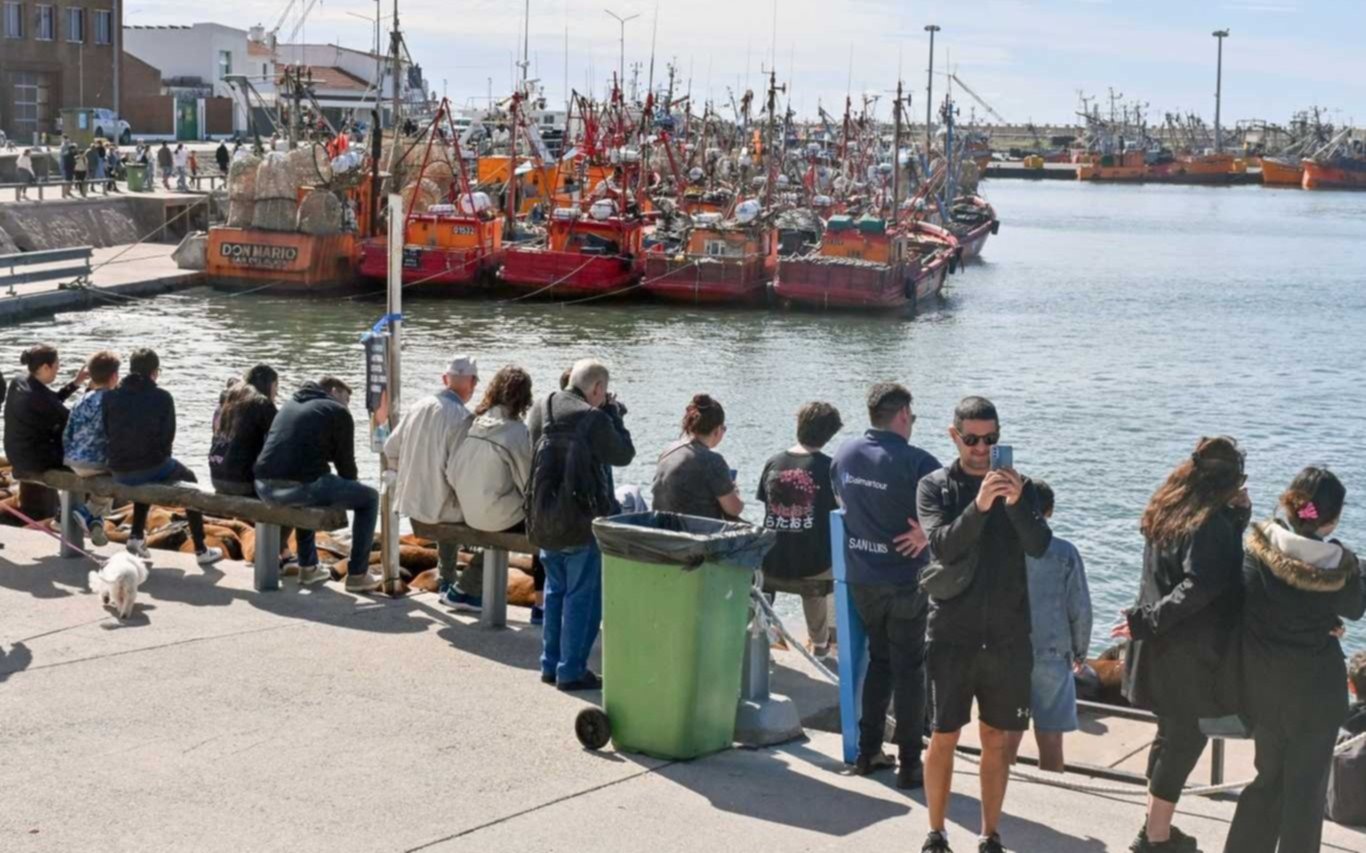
point(972, 221)
point(864, 264)
point(720, 262)
point(445, 246)
point(585, 254)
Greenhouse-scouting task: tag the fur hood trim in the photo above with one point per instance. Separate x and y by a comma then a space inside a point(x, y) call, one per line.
point(1294, 571)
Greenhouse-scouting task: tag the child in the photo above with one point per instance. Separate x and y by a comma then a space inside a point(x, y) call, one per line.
point(83, 441)
point(798, 497)
point(1060, 613)
point(1356, 680)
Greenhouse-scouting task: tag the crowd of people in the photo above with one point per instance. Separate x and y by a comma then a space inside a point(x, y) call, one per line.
point(99, 166)
point(965, 592)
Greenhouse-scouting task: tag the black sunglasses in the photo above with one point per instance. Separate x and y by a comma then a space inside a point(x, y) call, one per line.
point(973, 440)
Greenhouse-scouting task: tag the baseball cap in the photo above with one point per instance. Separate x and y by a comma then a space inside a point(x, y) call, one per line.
point(463, 365)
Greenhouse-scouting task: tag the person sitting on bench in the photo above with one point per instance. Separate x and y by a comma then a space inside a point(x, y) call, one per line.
point(35, 416)
point(139, 422)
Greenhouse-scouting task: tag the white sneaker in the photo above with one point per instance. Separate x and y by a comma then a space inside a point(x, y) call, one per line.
point(208, 556)
point(368, 582)
point(309, 575)
point(138, 548)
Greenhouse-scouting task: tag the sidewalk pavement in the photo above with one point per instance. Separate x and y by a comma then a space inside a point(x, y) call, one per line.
point(218, 718)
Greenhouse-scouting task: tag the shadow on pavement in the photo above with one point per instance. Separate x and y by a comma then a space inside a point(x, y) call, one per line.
point(17, 659)
point(1018, 833)
point(43, 577)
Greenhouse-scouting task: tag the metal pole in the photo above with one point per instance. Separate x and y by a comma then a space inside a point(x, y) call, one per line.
point(1220, 35)
point(929, 97)
point(621, 59)
point(1216, 762)
point(389, 545)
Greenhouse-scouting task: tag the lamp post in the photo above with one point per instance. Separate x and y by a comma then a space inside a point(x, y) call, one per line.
point(621, 61)
point(929, 97)
point(1220, 35)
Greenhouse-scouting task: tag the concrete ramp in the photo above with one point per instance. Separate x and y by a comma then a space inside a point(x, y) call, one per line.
point(69, 222)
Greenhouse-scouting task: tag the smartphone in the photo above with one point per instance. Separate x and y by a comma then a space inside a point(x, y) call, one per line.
point(1002, 456)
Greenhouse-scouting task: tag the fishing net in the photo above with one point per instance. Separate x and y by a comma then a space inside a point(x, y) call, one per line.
point(242, 177)
point(320, 213)
point(420, 195)
point(275, 214)
point(241, 211)
point(968, 176)
point(309, 166)
point(275, 179)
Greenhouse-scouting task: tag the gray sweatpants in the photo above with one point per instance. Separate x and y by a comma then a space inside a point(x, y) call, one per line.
point(471, 580)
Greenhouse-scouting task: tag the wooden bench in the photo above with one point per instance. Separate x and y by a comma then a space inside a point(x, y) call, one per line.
point(268, 518)
point(494, 613)
point(16, 269)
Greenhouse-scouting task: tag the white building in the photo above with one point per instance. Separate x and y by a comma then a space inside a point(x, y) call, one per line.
point(197, 57)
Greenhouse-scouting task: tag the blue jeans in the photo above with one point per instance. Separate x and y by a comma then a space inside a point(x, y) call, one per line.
point(330, 491)
point(573, 610)
point(170, 471)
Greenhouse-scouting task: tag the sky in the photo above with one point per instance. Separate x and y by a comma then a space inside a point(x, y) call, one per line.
point(1027, 59)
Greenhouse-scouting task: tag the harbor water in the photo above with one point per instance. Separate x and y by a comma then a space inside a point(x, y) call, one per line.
point(1112, 325)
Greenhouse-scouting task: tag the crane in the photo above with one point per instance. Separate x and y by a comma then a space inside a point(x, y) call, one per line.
point(304, 6)
point(976, 97)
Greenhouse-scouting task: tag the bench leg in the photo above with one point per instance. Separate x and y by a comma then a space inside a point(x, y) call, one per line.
point(495, 611)
point(72, 533)
point(267, 558)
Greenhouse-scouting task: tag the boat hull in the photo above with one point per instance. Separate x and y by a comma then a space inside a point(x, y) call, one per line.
point(1281, 173)
point(706, 280)
point(553, 275)
point(817, 284)
point(1326, 176)
point(423, 265)
point(280, 261)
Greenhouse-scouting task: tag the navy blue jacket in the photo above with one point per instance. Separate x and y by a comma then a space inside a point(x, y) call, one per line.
point(875, 477)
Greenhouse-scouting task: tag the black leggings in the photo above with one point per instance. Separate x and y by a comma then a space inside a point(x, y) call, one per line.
point(1174, 754)
point(178, 474)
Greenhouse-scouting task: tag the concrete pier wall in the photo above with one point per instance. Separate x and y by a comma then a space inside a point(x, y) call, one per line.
point(102, 222)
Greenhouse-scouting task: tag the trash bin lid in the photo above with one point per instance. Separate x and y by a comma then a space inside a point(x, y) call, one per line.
point(673, 539)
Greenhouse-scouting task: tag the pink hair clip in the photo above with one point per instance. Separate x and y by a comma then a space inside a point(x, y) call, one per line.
point(1308, 512)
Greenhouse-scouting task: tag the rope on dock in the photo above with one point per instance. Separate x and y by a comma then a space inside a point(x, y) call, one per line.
point(1018, 773)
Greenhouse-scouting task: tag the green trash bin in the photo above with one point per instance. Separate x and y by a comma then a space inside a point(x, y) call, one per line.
point(137, 177)
point(675, 595)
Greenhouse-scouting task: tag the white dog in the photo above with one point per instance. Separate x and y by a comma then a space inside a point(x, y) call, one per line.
point(117, 582)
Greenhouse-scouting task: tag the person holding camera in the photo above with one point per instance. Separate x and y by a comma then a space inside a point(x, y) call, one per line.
point(1182, 627)
point(982, 519)
point(578, 434)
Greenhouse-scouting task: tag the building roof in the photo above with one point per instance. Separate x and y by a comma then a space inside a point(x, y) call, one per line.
point(327, 77)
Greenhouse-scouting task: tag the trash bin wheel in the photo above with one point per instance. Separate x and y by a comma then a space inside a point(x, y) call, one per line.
point(593, 728)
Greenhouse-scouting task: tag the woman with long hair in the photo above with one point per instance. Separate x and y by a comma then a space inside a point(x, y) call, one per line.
point(691, 478)
point(492, 466)
point(1298, 587)
point(1183, 624)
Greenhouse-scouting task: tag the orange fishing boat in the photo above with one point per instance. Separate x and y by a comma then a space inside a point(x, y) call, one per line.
point(720, 262)
point(1282, 172)
point(448, 245)
point(591, 254)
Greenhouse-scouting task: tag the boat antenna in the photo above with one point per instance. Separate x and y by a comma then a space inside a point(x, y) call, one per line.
point(654, 37)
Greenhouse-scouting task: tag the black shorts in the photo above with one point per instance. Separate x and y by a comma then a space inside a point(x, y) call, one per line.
point(998, 677)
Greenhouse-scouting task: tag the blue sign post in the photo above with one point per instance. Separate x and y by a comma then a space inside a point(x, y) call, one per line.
point(853, 643)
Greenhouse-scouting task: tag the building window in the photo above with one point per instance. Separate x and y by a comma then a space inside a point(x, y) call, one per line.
point(75, 25)
point(47, 23)
point(14, 20)
point(104, 27)
point(224, 64)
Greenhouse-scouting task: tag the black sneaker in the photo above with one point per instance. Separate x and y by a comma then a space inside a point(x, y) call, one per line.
point(1177, 842)
point(588, 681)
point(910, 775)
point(868, 763)
point(991, 844)
point(936, 842)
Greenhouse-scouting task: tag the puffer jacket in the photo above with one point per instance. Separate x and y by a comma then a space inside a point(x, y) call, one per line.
point(1296, 590)
point(492, 466)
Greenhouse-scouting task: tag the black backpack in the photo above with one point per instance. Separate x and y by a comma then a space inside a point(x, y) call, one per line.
point(1347, 787)
point(564, 493)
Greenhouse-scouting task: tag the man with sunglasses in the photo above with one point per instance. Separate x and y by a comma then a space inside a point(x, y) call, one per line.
point(875, 477)
point(978, 643)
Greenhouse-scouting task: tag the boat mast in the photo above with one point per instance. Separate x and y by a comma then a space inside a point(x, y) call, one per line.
point(896, 154)
point(929, 97)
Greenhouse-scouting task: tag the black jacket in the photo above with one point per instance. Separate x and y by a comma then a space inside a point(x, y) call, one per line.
point(139, 419)
point(223, 157)
point(232, 457)
point(34, 420)
point(994, 609)
point(1189, 607)
point(603, 428)
point(1292, 664)
point(311, 432)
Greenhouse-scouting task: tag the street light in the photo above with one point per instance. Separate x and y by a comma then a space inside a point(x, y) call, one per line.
point(621, 62)
point(929, 95)
point(1219, 90)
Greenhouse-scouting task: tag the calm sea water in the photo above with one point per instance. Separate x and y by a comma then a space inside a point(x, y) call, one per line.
point(1112, 326)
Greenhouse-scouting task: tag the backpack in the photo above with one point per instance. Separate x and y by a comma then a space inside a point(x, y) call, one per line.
point(564, 492)
point(1347, 787)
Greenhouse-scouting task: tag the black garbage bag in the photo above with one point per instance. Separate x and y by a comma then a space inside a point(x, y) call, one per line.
point(672, 539)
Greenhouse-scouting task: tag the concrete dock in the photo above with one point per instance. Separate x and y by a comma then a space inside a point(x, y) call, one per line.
point(120, 274)
point(218, 718)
